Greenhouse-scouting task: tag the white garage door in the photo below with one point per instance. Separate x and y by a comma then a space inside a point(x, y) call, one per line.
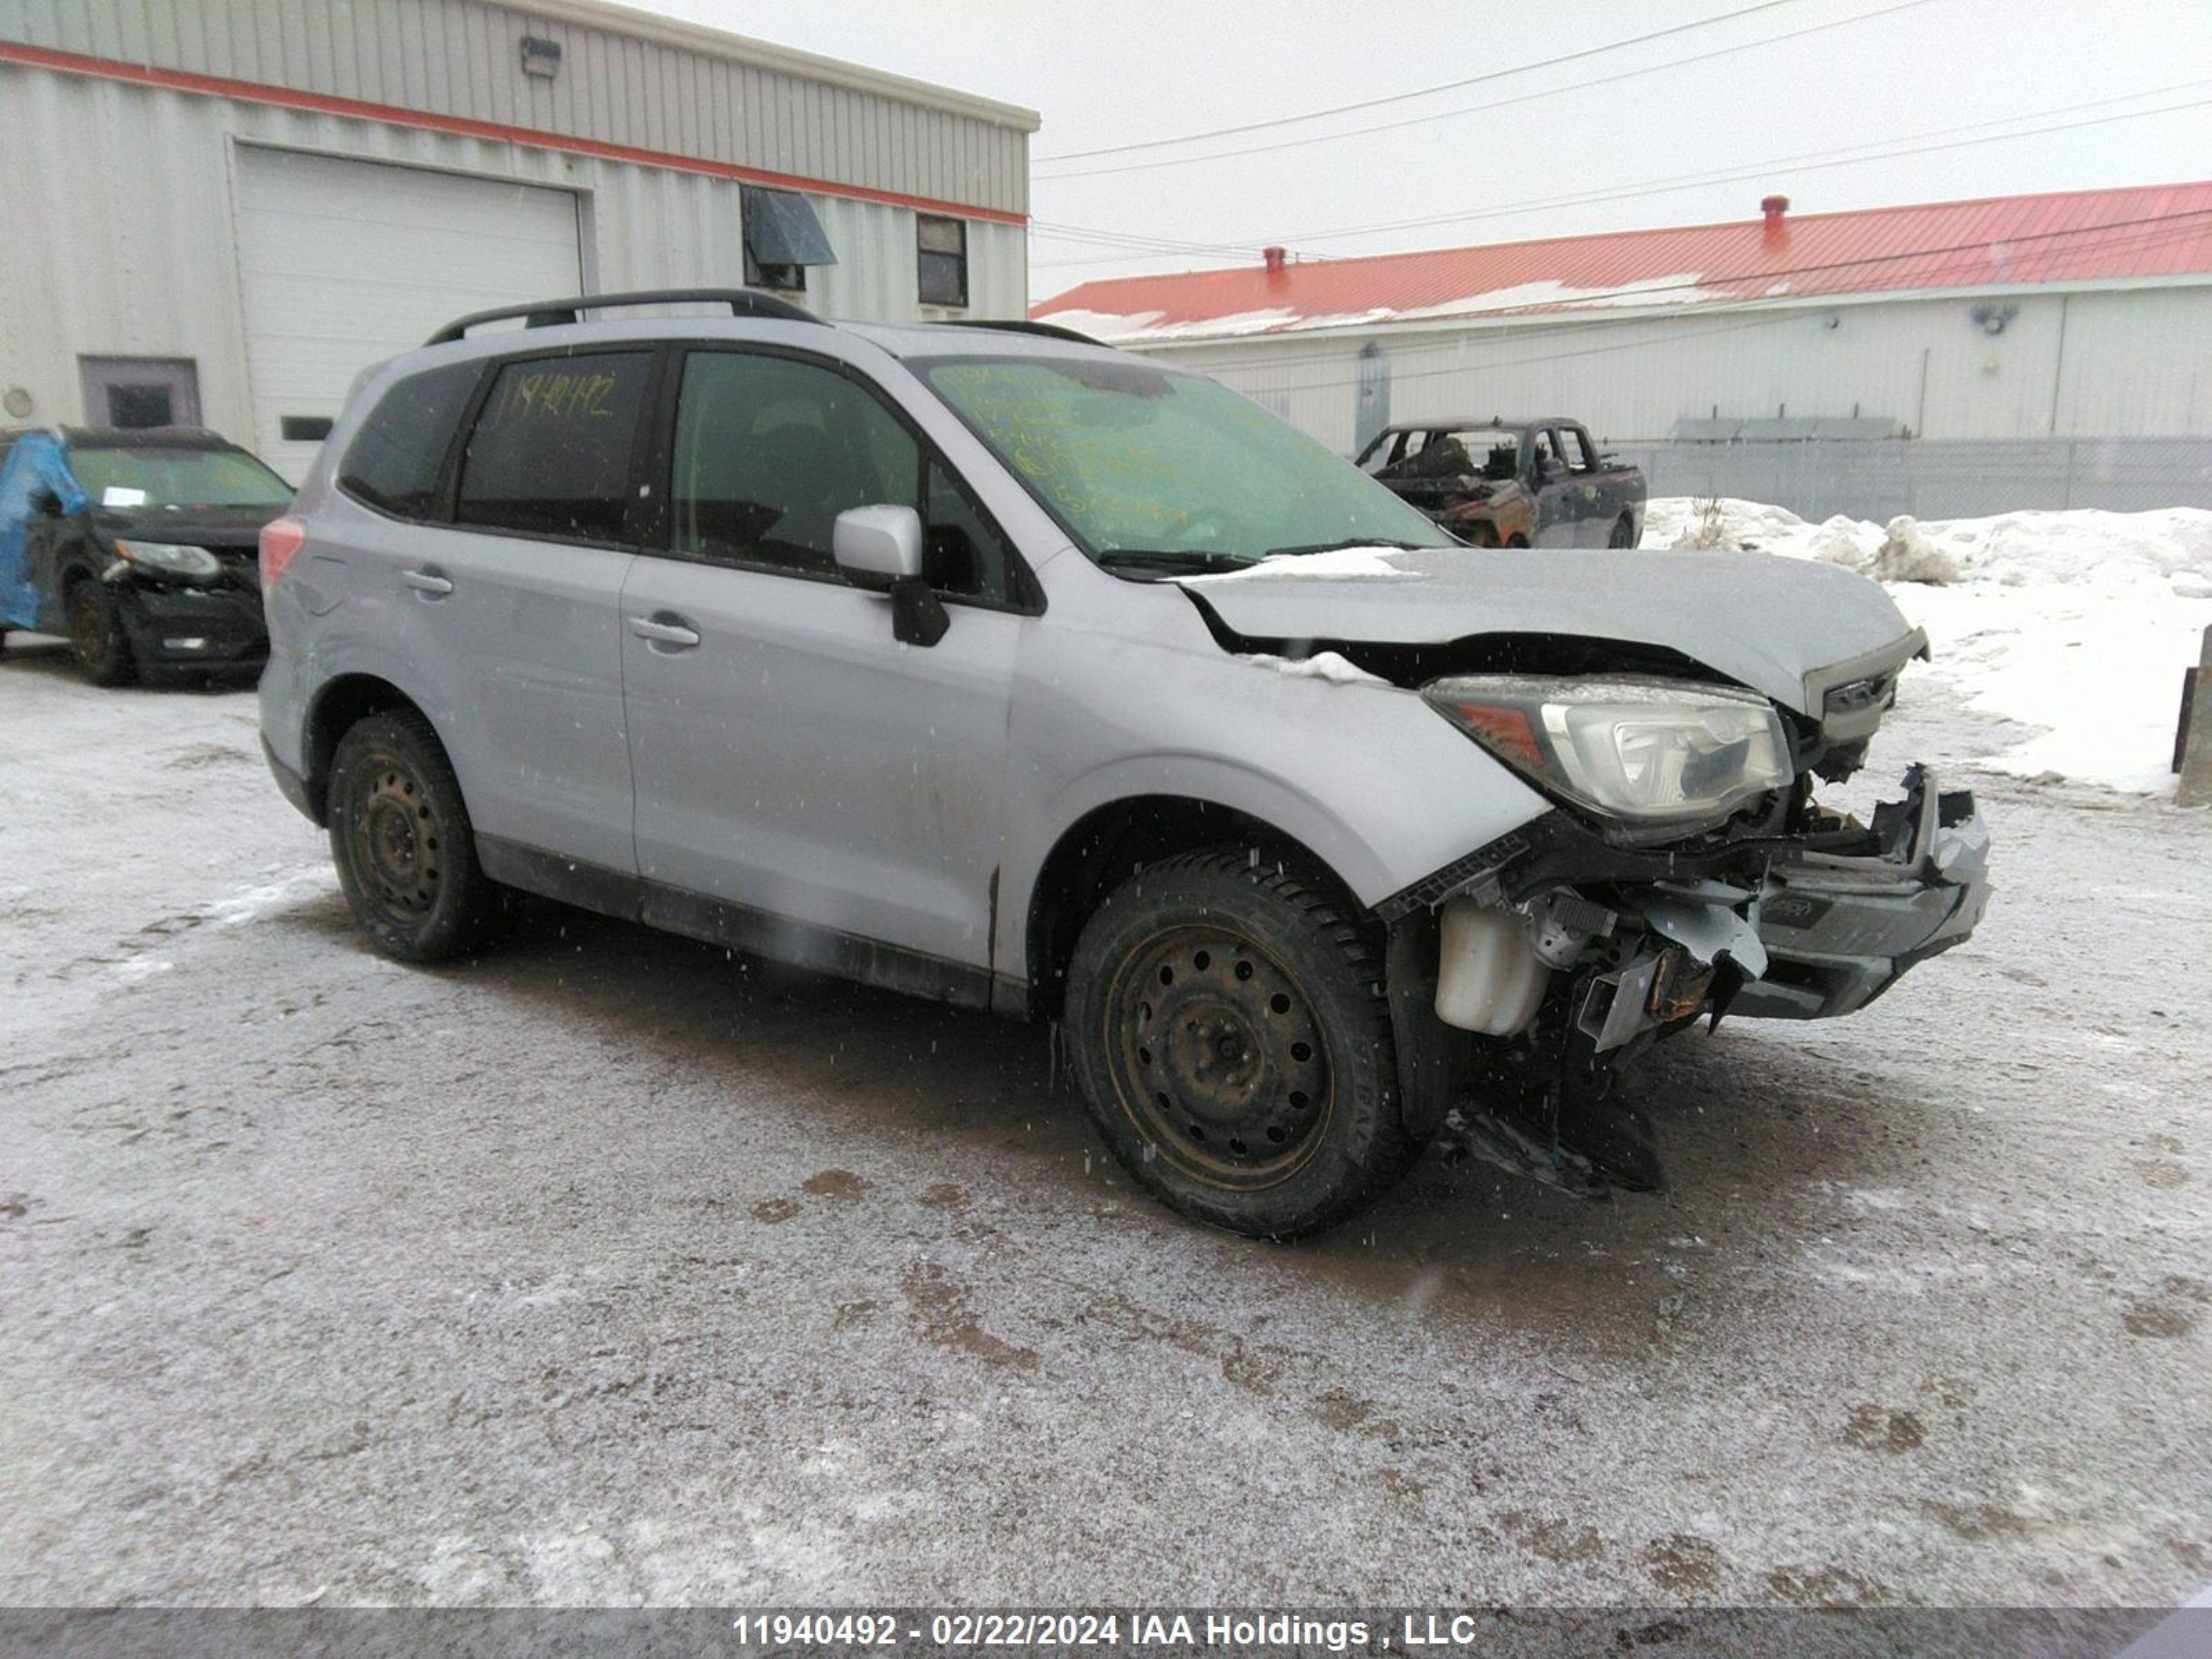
point(345, 262)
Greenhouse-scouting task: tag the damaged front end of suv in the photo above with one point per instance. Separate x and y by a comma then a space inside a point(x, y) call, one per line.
point(1525, 978)
point(1686, 870)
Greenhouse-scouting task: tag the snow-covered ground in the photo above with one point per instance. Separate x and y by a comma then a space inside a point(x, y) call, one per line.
point(2077, 623)
point(606, 1269)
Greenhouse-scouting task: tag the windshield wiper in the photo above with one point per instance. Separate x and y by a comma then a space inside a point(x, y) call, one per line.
point(1171, 560)
point(1350, 541)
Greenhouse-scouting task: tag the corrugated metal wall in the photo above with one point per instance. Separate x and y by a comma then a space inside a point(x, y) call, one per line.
point(2121, 363)
point(461, 58)
point(118, 242)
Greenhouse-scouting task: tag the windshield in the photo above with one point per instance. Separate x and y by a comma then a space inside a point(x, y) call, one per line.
point(1135, 461)
point(162, 477)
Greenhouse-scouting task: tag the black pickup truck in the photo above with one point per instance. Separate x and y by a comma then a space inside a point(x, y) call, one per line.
point(1511, 483)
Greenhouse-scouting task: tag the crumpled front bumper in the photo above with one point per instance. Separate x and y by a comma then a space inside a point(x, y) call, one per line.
point(1840, 930)
point(175, 628)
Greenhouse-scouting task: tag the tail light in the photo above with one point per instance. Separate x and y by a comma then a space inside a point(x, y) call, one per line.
point(280, 539)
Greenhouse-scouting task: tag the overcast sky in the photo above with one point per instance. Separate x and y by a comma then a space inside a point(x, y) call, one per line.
point(1924, 72)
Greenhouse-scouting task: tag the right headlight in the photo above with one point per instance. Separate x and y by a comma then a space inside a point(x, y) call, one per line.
point(191, 564)
point(1649, 757)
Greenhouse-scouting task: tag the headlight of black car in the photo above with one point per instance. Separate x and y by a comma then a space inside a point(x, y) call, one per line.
point(173, 559)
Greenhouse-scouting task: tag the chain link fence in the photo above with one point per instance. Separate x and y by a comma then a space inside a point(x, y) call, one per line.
point(1935, 477)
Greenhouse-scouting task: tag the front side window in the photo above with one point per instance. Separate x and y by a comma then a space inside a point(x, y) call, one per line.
point(161, 477)
point(941, 246)
point(394, 461)
point(771, 450)
point(964, 554)
point(550, 454)
point(1138, 461)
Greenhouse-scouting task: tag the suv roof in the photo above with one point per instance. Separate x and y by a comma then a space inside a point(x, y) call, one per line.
point(744, 302)
point(898, 339)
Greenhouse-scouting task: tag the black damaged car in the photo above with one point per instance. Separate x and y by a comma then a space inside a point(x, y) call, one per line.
point(137, 546)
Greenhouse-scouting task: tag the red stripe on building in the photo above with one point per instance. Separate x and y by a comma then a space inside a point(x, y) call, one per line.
point(253, 92)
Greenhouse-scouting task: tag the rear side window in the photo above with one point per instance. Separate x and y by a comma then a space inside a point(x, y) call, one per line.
point(550, 452)
point(393, 461)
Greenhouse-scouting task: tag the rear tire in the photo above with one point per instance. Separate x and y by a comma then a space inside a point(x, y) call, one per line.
point(401, 839)
point(95, 632)
point(1228, 1027)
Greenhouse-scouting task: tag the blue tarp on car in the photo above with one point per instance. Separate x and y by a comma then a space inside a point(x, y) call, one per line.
point(37, 462)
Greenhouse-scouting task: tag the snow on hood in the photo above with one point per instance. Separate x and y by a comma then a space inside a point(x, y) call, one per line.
point(1337, 564)
point(1763, 622)
point(1332, 667)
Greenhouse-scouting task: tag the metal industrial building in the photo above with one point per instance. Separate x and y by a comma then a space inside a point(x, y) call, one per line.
point(2079, 315)
point(219, 211)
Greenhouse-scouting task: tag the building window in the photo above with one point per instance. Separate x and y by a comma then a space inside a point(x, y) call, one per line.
point(782, 238)
point(943, 247)
point(141, 391)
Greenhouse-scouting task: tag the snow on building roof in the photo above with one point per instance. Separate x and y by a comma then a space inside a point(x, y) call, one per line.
point(1998, 242)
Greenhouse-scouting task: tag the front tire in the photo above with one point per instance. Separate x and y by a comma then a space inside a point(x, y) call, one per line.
point(95, 632)
point(401, 841)
point(1230, 1032)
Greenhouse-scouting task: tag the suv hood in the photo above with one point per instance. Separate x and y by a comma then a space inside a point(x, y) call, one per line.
point(1782, 626)
point(219, 527)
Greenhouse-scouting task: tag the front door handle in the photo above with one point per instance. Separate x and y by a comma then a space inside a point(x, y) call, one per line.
point(665, 631)
point(427, 581)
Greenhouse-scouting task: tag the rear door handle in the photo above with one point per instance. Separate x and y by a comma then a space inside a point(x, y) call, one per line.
point(427, 581)
point(662, 630)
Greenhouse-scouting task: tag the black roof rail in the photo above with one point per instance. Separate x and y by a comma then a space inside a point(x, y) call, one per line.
point(1021, 326)
point(552, 314)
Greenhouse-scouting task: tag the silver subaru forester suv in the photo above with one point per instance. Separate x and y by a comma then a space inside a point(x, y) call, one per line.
point(995, 666)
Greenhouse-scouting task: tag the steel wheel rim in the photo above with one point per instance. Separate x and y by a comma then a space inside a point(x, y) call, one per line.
point(1218, 1058)
point(395, 837)
point(88, 627)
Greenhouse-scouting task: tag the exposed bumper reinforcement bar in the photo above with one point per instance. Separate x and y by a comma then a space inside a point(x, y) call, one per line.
point(1840, 930)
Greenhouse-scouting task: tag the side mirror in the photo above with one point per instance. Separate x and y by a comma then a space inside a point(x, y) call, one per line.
point(880, 549)
point(46, 503)
point(877, 546)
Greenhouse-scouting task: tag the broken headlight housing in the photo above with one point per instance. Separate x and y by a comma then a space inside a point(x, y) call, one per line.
point(1648, 757)
point(171, 559)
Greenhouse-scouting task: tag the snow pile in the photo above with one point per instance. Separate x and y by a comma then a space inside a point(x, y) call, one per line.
point(1337, 564)
point(2173, 545)
point(2080, 622)
point(1331, 665)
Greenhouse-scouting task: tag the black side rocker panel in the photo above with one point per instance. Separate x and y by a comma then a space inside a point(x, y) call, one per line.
point(741, 927)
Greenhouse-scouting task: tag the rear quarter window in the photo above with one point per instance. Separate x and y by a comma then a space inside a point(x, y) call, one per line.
point(393, 461)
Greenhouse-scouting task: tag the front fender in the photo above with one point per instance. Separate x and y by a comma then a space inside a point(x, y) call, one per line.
point(1365, 776)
